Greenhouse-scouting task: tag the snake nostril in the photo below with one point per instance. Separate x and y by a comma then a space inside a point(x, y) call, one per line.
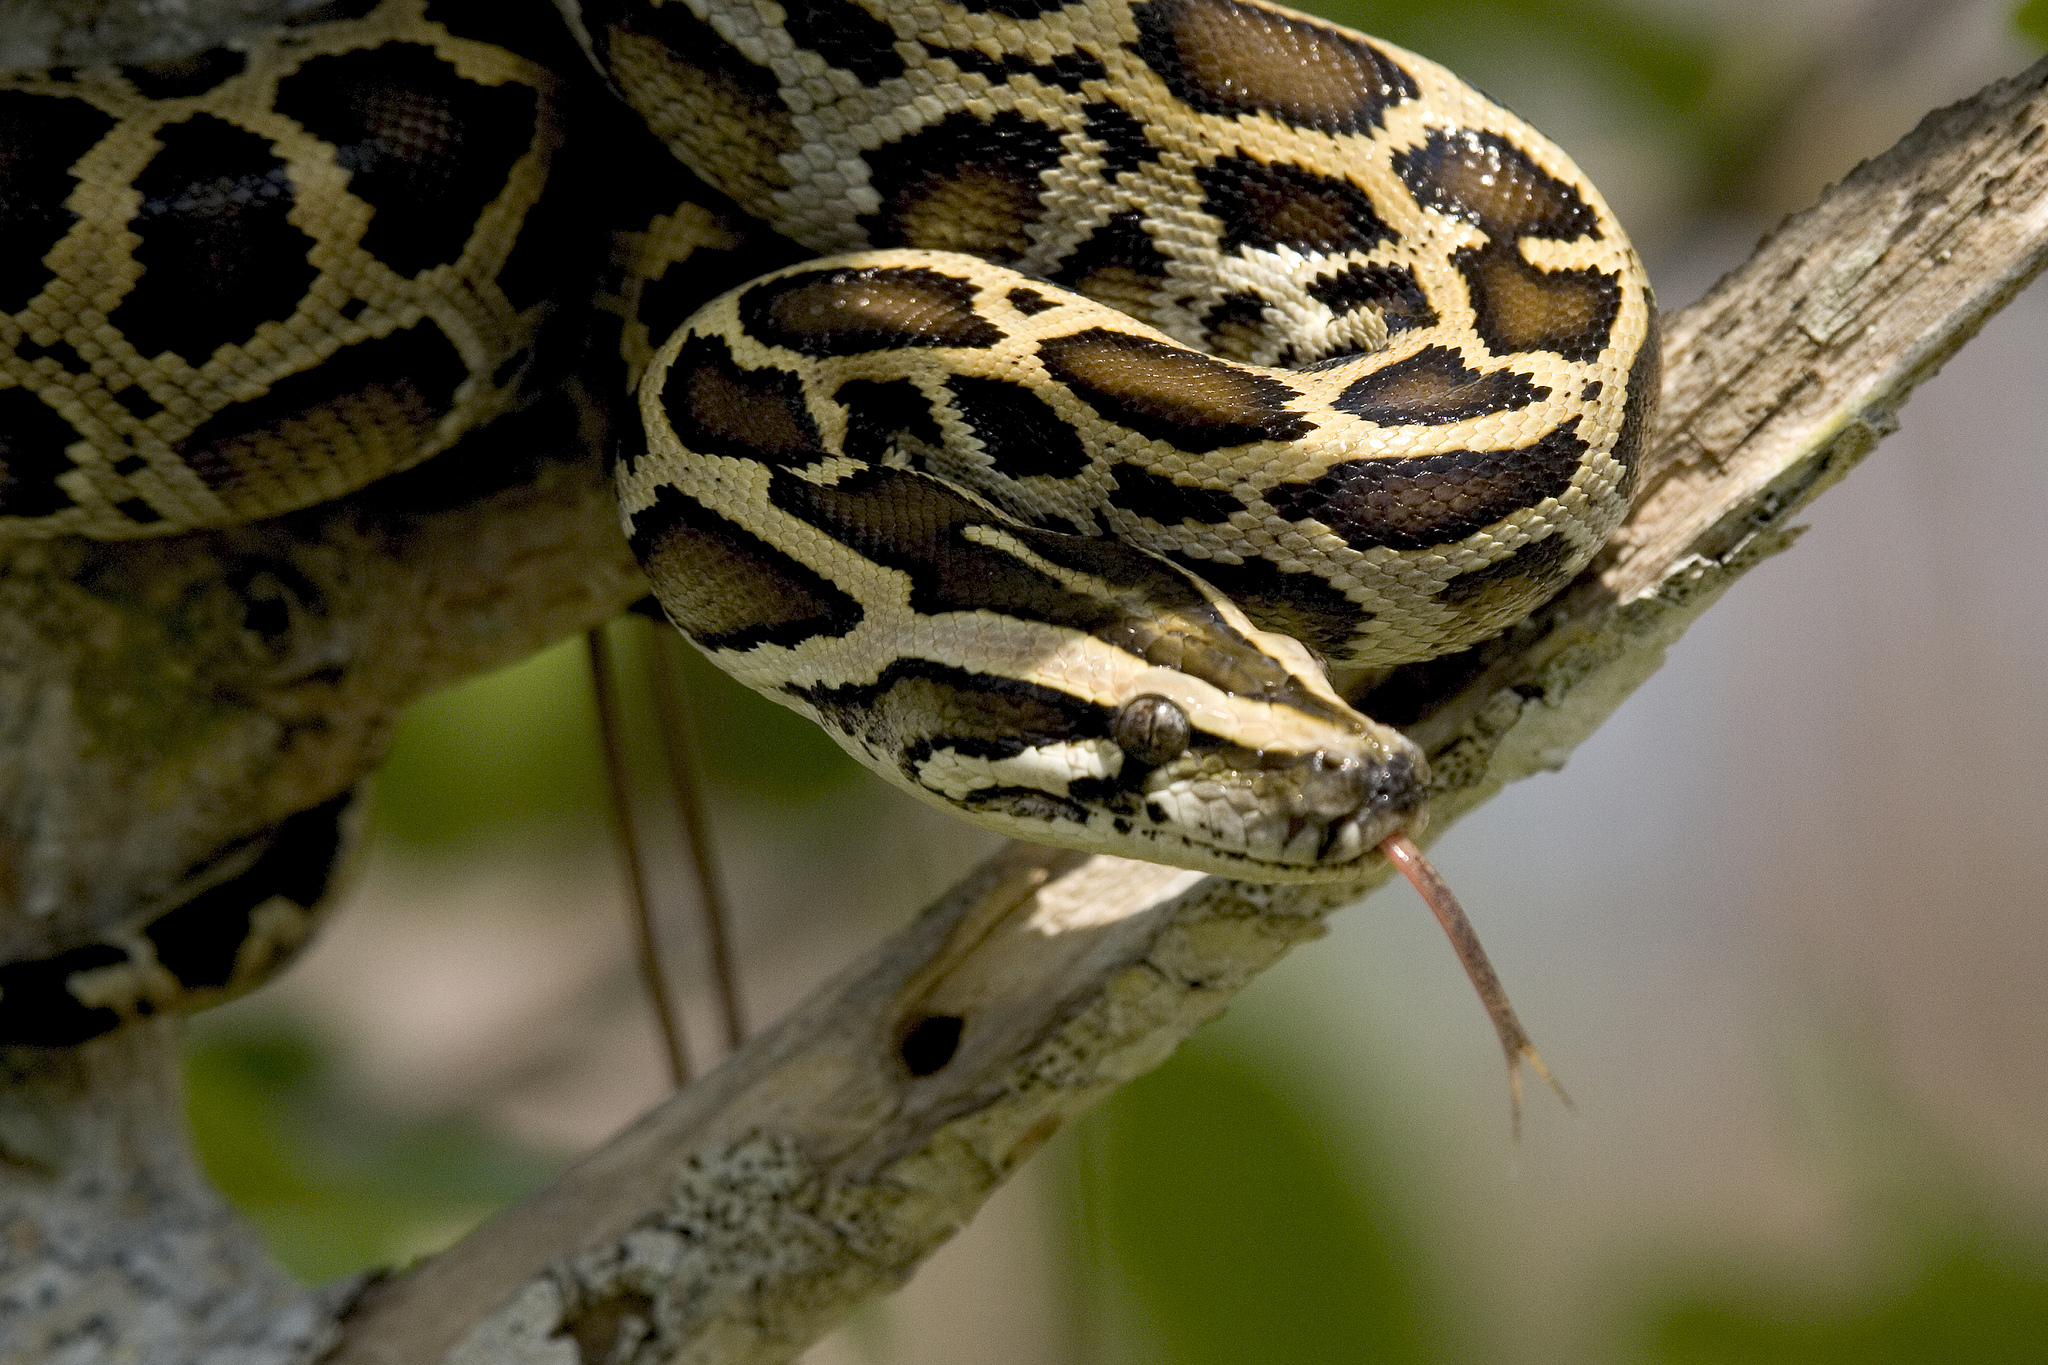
point(1395, 787)
point(1339, 784)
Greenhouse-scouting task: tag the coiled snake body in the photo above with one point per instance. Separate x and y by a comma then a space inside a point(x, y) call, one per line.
point(1193, 357)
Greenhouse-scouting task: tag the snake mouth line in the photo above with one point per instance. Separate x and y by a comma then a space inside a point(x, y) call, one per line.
point(1344, 841)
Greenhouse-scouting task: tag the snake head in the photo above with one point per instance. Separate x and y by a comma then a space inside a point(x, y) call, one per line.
point(1257, 788)
point(1262, 790)
point(1057, 687)
point(1136, 712)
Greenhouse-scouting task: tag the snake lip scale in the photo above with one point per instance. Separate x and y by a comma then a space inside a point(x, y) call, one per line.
point(1162, 368)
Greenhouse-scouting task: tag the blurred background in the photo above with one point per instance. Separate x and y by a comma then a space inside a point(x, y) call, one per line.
point(1781, 926)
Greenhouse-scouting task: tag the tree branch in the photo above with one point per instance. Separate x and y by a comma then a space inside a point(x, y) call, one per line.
point(750, 1213)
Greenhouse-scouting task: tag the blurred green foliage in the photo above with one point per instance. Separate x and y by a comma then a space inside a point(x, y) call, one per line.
point(1222, 1215)
point(1679, 78)
point(332, 1187)
point(1647, 58)
point(1963, 1303)
point(1951, 1269)
point(2032, 19)
point(515, 754)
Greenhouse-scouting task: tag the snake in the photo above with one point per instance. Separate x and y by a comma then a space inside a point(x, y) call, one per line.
point(1093, 393)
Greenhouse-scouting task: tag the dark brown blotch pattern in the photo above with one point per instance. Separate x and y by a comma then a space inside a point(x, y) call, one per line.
point(1428, 500)
point(915, 524)
point(1117, 264)
point(40, 137)
point(219, 252)
point(1067, 70)
point(1644, 382)
point(1392, 289)
point(845, 35)
point(1120, 135)
point(963, 185)
point(1235, 325)
point(424, 147)
point(953, 709)
point(1433, 388)
point(1266, 206)
point(727, 588)
point(1484, 179)
point(1516, 307)
point(1225, 57)
point(32, 441)
point(880, 413)
point(1018, 430)
point(1030, 302)
point(375, 396)
point(1184, 398)
point(857, 309)
point(1305, 606)
point(1119, 244)
point(1531, 574)
point(1147, 494)
point(718, 407)
point(1489, 182)
point(702, 90)
point(920, 706)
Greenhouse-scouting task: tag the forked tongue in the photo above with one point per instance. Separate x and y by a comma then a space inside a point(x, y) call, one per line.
point(1401, 851)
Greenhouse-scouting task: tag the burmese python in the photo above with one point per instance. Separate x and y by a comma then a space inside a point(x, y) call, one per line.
point(1275, 355)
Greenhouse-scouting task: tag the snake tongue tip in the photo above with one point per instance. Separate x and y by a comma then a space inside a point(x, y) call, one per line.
point(1400, 850)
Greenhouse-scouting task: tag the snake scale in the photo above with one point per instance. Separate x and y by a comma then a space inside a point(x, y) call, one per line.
point(1138, 375)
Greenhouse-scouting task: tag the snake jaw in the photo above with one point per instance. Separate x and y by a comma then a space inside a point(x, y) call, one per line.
point(1387, 799)
point(1264, 815)
point(1365, 800)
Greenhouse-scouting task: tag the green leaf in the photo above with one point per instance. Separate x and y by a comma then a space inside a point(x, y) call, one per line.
point(331, 1187)
point(1962, 1305)
point(517, 750)
point(2031, 19)
point(1223, 1209)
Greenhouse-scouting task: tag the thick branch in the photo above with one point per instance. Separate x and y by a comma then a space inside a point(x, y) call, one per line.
point(161, 701)
point(751, 1212)
point(163, 707)
point(35, 34)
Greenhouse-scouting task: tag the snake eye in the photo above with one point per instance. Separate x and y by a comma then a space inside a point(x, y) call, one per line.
point(1152, 729)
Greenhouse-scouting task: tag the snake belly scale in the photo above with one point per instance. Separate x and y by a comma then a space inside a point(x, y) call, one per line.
point(1171, 364)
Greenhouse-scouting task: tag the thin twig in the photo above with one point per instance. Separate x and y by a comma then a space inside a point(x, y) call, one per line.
point(671, 698)
point(604, 686)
